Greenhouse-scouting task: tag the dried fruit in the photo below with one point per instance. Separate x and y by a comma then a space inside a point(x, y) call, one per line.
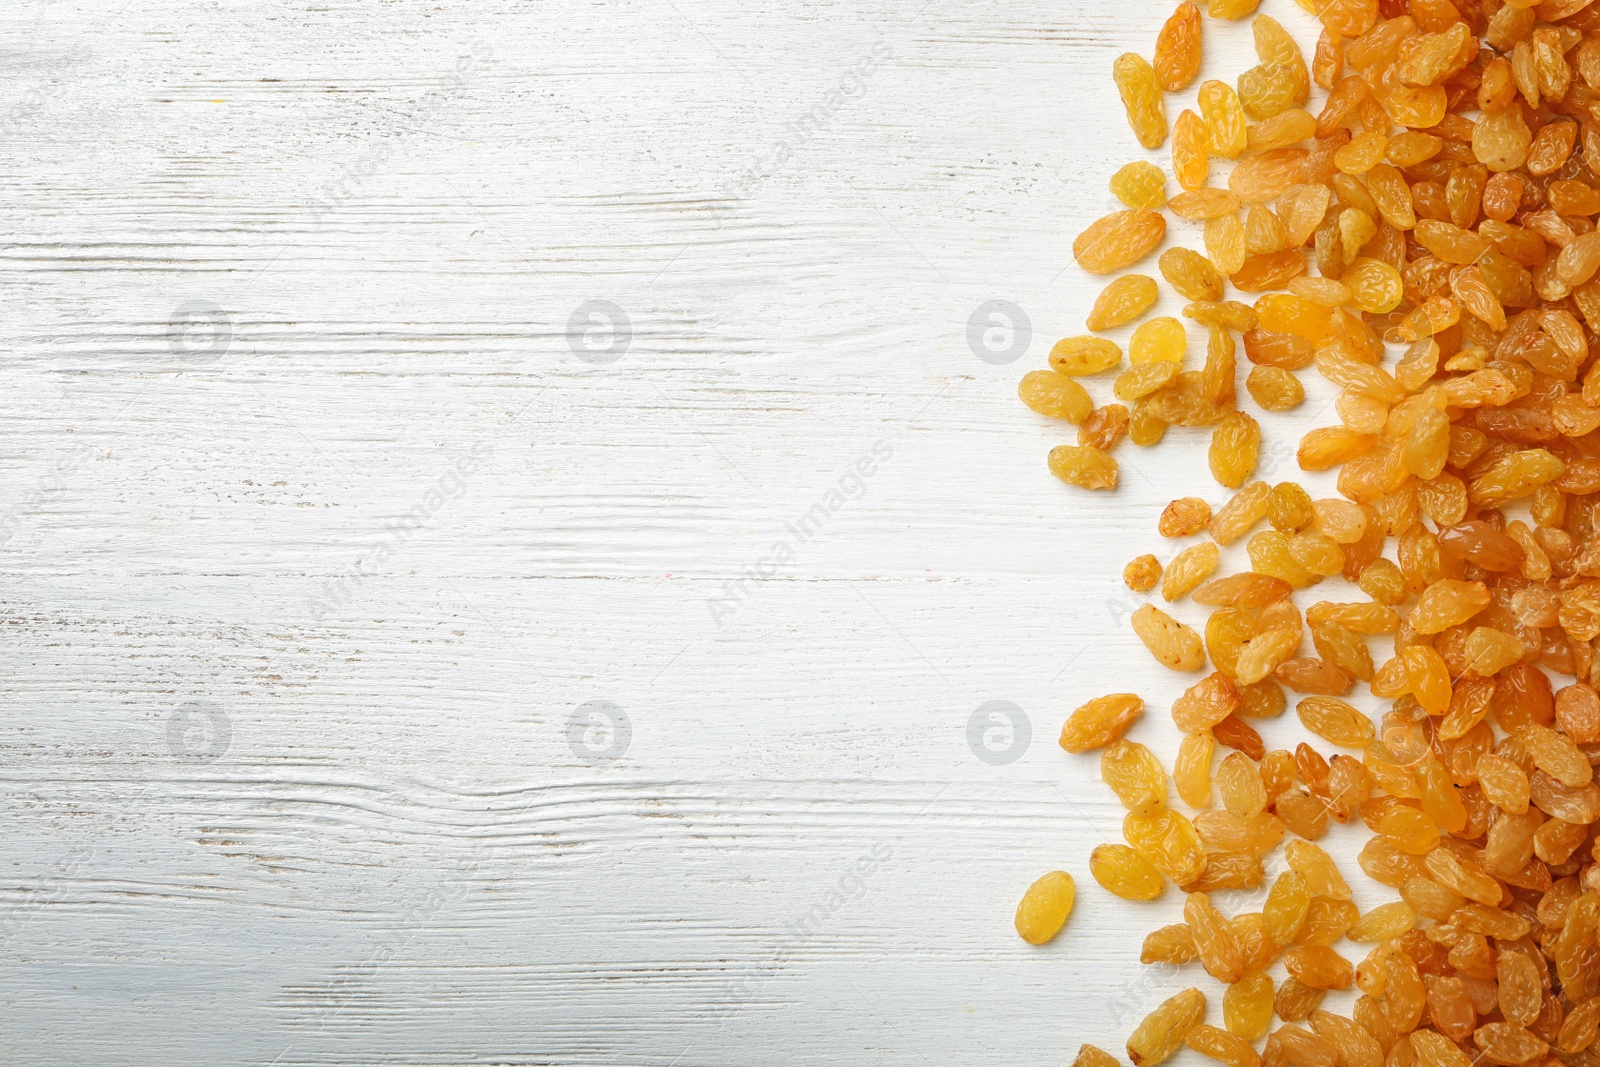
point(1222, 1046)
point(1074, 356)
point(1170, 944)
point(1100, 721)
point(1224, 119)
point(1123, 872)
point(1274, 388)
point(1118, 240)
point(1235, 447)
point(1121, 302)
point(1178, 49)
point(1083, 466)
point(1185, 516)
point(1161, 340)
point(1135, 774)
point(1191, 771)
point(1191, 151)
point(1162, 1032)
point(1168, 842)
point(1188, 569)
point(1448, 602)
point(1191, 274)
point(1044, 908)
point(1444, 201)
point(1384, 922)
point(1247, 1006)
point(1142, 573)
point(1055, 395)
point(1141, 98)
point(1140, 185)
point(1219, 950)
point(1174, 645)
point(1319, 967)
point(1335, 721)
point(1239, 782)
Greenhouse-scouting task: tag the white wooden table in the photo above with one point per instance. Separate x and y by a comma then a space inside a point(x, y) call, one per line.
point(515, 513)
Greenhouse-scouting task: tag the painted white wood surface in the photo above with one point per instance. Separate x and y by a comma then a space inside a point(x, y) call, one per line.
point(308, 597)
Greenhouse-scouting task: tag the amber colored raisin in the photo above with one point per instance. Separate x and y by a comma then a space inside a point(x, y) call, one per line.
point(1224, 1047)
point(1105, 427)
point(1294, 1002)
point(1161, 1033)
point(1135, 774)
point(1286, 906)
point(1175, 645)
point(1319, 966)
point(1118, 239)
point(1055, 395)
point(1091, 1056)
point(1159, 340)
point(1185, 516)
point(1044, 908)
point(1120, 302)
point(1242, 511)
point(1124, 873)
point(1235, 446)
point(1354, 1044)
point(1191, 274)
point(1100, 722)
point(1141, 98)
point(1177, 57)
point(1140, 185)
point(1084, 466)
point(1247, 1006)
point(1191, 771)
point(1383, 922)
point(1224, 118)
point(1188, 569)
point(1169, 944)
point(1191, 152)
point(1213, 938)
point(1274, 388)
point(1508, 1043)
point(1168, 842)
point(1335, 721)
point(1142, 573)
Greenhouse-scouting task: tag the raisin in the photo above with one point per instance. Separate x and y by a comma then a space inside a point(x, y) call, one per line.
point(1124, 300)
point(1162, 1032)
point(1177, 58)
point(1124, 873)
point(1044, 908)
point(1100, 722)
point(1141, 98)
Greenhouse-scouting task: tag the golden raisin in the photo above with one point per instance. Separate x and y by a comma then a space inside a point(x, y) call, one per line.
point(1177, 58)
point(1123, 872)
point(1141, 98)
point(1044, 908)
point(1188, 515)
point(1118, 240)
point(1274, 388)
point(1100, 722)
point(1162, 1032)
point(1235, 446)
point(1121, 302)
point(1142, 573)
point(1140, 185)
point(1083, 466)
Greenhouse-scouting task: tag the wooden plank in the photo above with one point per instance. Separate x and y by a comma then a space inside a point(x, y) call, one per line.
point(338, 549)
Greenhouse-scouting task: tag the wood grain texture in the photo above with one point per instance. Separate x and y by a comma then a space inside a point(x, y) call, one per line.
point(320, 539)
